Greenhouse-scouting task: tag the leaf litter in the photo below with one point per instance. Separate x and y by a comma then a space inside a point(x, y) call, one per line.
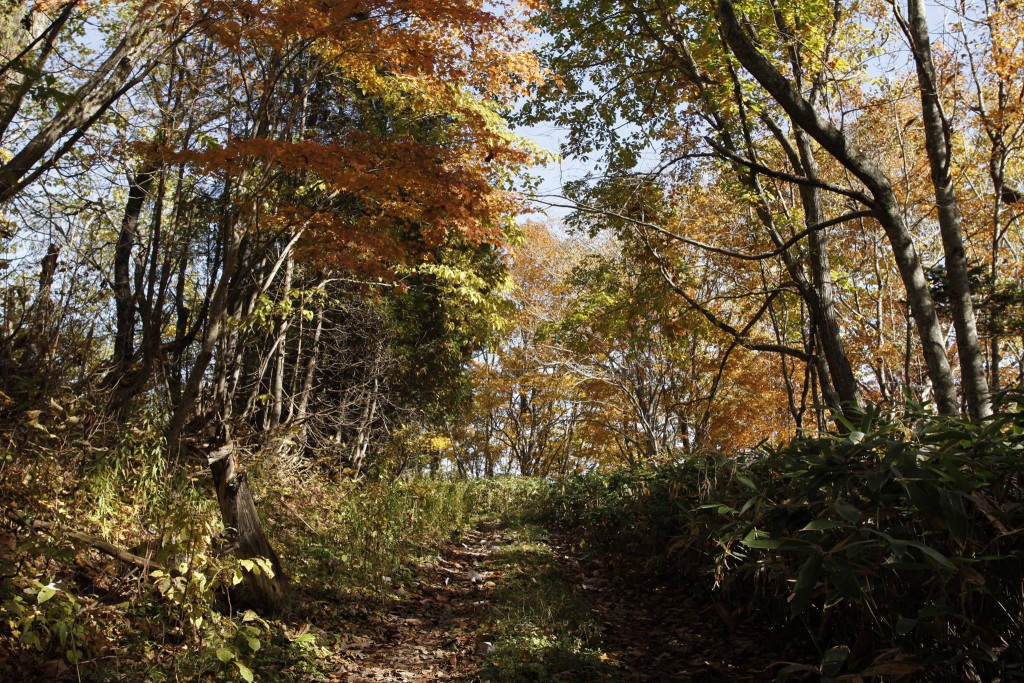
point(439, 624)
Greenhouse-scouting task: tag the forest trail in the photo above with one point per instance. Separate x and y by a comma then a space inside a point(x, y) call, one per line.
point(424, 631)
point(518, 604)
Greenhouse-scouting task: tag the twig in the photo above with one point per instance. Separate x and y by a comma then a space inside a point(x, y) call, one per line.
point(92, 541)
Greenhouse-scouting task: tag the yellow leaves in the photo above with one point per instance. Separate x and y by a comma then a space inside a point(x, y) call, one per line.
point(463, 284)
point(441, 43)
point(1007, 46)
point(458, 63)
point(439, 442)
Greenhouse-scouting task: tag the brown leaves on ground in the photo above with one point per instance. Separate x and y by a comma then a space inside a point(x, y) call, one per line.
point(428, 630)
point(434, 628)
point(677, 633)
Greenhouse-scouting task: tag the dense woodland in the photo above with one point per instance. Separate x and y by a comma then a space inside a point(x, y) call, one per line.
point(283, 311)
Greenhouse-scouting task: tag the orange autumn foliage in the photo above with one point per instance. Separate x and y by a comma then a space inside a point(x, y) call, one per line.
point(369, 198)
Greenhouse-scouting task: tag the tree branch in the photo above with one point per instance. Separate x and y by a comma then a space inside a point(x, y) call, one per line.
point(739, 335)
point(704, 245)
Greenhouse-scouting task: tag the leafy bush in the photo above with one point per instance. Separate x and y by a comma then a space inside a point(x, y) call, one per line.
point(899, 547)
point(67, 610)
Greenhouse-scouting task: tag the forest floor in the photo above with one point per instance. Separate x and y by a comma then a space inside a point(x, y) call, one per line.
point(511, 604)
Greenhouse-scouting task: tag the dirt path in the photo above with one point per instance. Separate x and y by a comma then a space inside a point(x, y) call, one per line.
point(509, 605)
point(427, 630)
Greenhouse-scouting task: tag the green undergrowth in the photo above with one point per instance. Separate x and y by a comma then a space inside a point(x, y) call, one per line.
point(358, 537)
point(897, 547)
point(539, 623)
point(69, 611)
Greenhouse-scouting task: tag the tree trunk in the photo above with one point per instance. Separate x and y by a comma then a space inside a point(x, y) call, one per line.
point(181, 324)
point(821, 300)
point(997, 172)
point(137, 53)
point(124, 298)
point(268, 595)
point(277, 386)
point(972, 365)
point(488, 457)
point(215, 320)
point(838, 385)
point(819, 293)
point(823, 308)
point(883, 201)
point(364, 428)
point(310, 370)
point(25, 46)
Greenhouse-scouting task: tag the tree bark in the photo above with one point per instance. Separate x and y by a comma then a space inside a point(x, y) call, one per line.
point(821, 297)
point(310, 370)
point(883, 201)
point(277, 387)
point(131, 60)
point(215, 320)
point(124, 298)
point(823, 304)
point(972, 365)
point(997, 172)
point(267, 595)
point(23, 39)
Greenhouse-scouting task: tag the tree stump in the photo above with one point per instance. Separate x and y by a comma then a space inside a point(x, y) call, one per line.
point(264, 594)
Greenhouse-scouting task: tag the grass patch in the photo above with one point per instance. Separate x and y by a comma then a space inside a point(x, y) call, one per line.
point(539, 623)
point(67, 611)
point(359, 537)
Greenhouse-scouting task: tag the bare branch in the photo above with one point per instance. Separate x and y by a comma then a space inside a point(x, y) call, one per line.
point(731, 253)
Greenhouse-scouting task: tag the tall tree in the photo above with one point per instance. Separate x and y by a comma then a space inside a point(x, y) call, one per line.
point(882, 199)
point(937, 143)
point(664, 74)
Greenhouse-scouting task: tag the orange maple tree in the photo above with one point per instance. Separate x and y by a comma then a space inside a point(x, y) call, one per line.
point(441, 163)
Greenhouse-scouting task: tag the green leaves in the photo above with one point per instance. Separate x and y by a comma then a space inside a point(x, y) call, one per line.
point(847, 511)
point(832, 661)
point(244, 671)
point(45, 593)
point(830, 666)
point(257, 565)
point(759, 539)
point(824, 525)
point(806, 580)
point(908, 533)
point(747, 481)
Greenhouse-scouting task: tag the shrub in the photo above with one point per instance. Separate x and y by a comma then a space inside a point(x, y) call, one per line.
point(898, 546)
